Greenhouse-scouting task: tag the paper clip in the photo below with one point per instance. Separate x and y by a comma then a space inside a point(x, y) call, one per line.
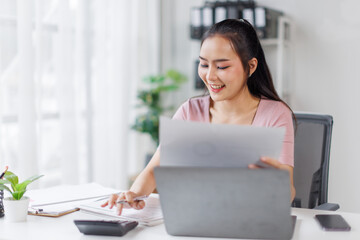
point(37, 210)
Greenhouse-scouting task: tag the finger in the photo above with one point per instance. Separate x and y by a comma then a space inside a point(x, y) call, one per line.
point(113, 199)
point(141, 205)
point(138, 205)
point(119, 206)
point(105, 204)
point(129, 196)
point(270, 161)
point(253, 166)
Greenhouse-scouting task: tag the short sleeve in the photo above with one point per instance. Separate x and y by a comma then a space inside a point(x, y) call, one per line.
point(181, 113)
point(284, 119)
point(194, 109)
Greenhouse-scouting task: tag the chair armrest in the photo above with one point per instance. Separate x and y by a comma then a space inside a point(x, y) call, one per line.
point(328, 206)
point(296, 203)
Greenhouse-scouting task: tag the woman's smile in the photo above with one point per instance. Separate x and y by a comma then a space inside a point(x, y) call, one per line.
point(216, 88)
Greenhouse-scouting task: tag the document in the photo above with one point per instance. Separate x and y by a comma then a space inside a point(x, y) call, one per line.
point(67, 193)
point(185, 143)
point(60, 200)
point(149, 216)
point(56, 210)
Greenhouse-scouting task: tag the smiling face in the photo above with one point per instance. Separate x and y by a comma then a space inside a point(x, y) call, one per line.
point(221, 69)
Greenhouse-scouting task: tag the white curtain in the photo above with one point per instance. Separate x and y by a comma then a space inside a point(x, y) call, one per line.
point(69, 70)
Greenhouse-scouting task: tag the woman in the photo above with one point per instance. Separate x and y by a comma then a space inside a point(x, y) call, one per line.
point(234, 70)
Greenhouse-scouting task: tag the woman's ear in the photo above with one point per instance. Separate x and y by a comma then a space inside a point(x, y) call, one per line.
point(252, 66)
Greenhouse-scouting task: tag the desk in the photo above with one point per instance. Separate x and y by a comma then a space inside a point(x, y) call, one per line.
point(63, 228)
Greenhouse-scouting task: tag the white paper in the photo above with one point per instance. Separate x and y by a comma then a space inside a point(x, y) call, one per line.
point(150, 215)
point(185, 143)
point(67, 193)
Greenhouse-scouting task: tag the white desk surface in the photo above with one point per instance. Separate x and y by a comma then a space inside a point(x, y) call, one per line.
point(63, 228)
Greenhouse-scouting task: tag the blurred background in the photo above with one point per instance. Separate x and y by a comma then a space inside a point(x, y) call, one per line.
point(72, 73)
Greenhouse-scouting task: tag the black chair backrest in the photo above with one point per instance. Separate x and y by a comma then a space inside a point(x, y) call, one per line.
point(311, 156)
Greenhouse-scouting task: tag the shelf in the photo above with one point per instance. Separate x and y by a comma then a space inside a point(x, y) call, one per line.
point(273, 42)
point(282, 69)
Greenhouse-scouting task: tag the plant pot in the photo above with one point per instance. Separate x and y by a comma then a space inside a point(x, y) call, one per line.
point(16, 210)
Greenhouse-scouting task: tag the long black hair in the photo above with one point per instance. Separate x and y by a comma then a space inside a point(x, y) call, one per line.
point(246, 44)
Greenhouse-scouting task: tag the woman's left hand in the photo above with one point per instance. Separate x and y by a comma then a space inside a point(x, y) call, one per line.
point(272, 163)
point(276, 164)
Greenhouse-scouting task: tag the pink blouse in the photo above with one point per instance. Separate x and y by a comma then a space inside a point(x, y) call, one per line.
point(270, 113)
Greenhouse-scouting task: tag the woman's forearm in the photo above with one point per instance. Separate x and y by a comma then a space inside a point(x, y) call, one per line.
point(145, 183)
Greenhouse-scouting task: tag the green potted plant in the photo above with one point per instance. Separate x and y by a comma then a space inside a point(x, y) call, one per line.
point(150, 100)
point(16, 206)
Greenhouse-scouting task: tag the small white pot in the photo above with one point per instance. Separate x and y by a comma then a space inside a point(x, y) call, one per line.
point(16, 210)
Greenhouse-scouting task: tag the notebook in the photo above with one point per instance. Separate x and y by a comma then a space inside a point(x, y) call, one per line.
point(225, 202)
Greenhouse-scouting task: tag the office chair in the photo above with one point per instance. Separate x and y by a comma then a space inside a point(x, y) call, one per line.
point(312, 155)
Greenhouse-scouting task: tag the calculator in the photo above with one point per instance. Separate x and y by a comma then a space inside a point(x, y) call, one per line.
point(105, 227)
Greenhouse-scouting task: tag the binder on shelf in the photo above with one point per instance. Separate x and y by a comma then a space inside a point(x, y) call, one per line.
point(266, 22)
point(207, 18)
point(260, 21)
point(195, 23)
point(233, 12)
point(249, 15)
point(220, 13)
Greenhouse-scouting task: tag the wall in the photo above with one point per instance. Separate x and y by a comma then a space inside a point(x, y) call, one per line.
point(325, 80)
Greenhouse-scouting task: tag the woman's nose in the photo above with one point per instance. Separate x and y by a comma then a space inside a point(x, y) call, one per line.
point(211, 74)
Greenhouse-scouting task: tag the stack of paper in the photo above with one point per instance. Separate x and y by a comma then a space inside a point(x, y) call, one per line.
point(150, 215)
point(60, 200)
point(67, 193)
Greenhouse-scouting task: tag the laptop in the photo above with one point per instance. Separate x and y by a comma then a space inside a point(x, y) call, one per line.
point(225, 202)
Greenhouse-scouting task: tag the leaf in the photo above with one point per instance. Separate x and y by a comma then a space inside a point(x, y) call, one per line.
point(168, 88)
point(147, 79)
point(22, 186)
point(177, 77)
point(33, 178)
point(159, 79)
point(3, 187)
point(4, 181)
point(154, 79)
point(12, 178)
point(18, 194)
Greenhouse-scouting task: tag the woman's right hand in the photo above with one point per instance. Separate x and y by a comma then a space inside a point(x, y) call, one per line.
point(129, 197)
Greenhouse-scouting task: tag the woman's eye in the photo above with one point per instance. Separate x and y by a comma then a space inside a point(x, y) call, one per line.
point(203, 65)
point(222, 68)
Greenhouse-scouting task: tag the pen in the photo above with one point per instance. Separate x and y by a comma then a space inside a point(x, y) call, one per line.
point(135, 199)
point(6, 168)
